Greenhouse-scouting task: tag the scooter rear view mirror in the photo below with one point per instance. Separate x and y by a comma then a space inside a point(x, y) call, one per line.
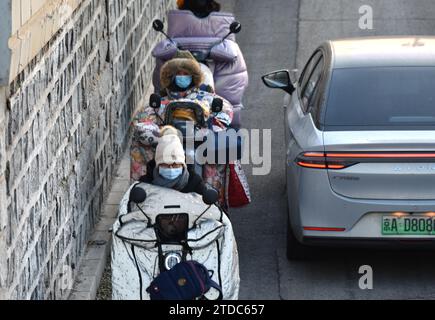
point(217, 105)
point(235, 27)
point(158, 25)
point(210, 196)
point(155, 101)
point(138, 195)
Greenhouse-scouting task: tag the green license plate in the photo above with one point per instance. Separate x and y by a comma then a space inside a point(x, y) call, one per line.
point(409, 225)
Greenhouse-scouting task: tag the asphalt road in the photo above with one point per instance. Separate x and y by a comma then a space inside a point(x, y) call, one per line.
point(282, 34)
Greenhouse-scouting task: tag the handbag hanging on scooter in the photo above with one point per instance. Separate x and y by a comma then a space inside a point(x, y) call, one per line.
point(186, 281)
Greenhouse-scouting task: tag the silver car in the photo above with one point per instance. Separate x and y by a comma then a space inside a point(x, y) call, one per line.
point(361, 144)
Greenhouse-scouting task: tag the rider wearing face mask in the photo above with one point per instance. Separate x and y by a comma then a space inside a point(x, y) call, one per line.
point(169, 168)
point(182, 78)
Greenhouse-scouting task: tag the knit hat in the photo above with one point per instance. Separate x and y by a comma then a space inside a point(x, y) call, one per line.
point(170, 149)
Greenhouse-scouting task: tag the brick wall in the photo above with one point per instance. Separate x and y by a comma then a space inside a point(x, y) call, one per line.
point(65, 120)
point(33, 25)
point(3, 207)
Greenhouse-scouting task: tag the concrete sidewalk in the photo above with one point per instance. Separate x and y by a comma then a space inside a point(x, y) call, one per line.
point(98, 248)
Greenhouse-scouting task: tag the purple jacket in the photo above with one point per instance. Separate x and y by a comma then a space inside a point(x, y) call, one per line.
point(192, 33)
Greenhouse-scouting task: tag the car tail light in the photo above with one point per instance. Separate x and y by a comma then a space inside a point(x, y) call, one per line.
point(316, 160)
point(342, 160)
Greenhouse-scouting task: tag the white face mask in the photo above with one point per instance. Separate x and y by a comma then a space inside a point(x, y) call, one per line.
point(170, 173)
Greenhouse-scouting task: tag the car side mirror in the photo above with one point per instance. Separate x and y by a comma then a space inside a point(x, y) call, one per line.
point(217, 105)
point(155, 101)
point(279, 80)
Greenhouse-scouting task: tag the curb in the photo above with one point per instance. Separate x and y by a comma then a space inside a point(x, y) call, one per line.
point(94, 261)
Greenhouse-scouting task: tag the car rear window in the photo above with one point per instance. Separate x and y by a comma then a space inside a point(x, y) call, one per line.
point(382, 98)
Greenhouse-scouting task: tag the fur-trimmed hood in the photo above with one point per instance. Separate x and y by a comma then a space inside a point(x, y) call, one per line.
point(172, 67)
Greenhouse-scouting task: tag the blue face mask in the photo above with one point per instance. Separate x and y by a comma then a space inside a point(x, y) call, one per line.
point(170, 173)
point(183, 81)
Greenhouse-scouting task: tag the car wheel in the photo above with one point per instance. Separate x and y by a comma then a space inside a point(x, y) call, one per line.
point(295, 249)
